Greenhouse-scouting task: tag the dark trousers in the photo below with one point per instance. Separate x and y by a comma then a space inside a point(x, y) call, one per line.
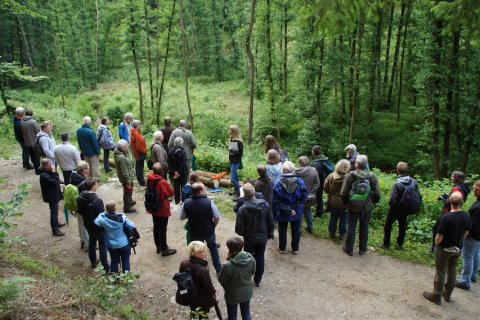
point(93, 238)
point(337, 214)
point(178, 185)
point(244, 310)
point(106, 156)
point(402, 227)
point(353, 218)
point(139, 166)
point(445, 267)
point(120, 255)
point(67, 175)
point(34, 158)
point(127, 199)
point(282, 234)
point(160, 232)
point(319, 201)
point(53, 215)
point(25, 157)
point(257, 250)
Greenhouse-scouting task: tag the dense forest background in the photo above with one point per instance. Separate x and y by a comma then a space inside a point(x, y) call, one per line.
point(400, 79)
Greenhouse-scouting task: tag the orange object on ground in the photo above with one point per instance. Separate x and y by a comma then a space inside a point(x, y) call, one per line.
point(219, 175)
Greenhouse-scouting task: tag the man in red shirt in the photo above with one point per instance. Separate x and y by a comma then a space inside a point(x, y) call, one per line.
point(139, 150)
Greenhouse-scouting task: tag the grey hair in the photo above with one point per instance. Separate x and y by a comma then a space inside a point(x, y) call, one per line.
point(128, 115)
point(342, 166)
point(136, 123)
point(304, 161)
point(362, 161)
point(122, 144)
point(157, 135)
point(288, 167)
point(19, 111)
point(82, 165)
point(182, 124)
point(87, 120)
point(178, 142)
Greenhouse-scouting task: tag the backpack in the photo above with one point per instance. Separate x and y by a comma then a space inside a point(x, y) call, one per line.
point(132, 235)
point(186, 287)
point(360, 191)
point(70, 195)
point(152, 202)
point(37, 147)
point(327, 168)
point(411, 200)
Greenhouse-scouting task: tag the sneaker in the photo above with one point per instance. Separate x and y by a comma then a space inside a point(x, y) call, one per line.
point(432, 297)
point(383, 246)
point(362, 252)
point(350, 253)
point(294, 251)
point(62, 225)
point(462, 286)
point(131, 210)
point(58, 233)
point(281, 251)
point(168, 252)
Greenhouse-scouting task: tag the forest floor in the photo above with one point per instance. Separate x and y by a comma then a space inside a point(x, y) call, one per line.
point(321, 282)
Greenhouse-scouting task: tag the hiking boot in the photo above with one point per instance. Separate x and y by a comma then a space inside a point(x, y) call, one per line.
point(350, 253)
point(168, 252)
point(58, 233)
point(159, 250)
point(435, 298)
point(446, 296)
point(134, 203)
point(62, 225)
point(383, 246)
point(310, 231)
point(130, 210)
point(462, 286)
point(474, 280)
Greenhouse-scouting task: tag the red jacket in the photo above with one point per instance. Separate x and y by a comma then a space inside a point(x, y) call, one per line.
point(164, 191)
point(137, 143)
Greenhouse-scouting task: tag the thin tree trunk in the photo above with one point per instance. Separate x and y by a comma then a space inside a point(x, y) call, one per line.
point(470, 134)
point(318, 85)
point(353, 50)
point(404, 45)
point(185, 65)
point(218, 43)
point(395, 56)
point(97, 42)
point(135, 59)
point(387, 49)
point(374, 66)
point(361, 29)
point(436, 57)
point(24, 41)
point(342, 77)
point(149, 54)
point(285, 48)
point(252, 71)
point(273, 111)
point(334, 53)
point(62, 94)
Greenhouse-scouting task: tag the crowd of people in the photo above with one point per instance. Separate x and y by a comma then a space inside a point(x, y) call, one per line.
point(281, 196)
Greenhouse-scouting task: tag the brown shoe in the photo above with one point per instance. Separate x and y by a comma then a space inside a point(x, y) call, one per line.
point(58, 233)
point(168, 252)
point(447, 297)
point(62, 225)
point(131, 210)
point(435, 298)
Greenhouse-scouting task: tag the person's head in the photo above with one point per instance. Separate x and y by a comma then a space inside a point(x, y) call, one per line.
point(194, 177)
point(234, 131)
point(402, 168)
point(105, 121)
point(122, 145)
point(128, 117)
point(288, 167)
point(198, 188)
point(304, 161)
point(19, 112)
point(47, 164)
point(29, 112)
point(87, 120)
point(65, 137)
point(197, 249)
point(158, 168)
point(456, 200)
point(316, 150)
point(342, 166)
point(457, 177)
point(167, 121)
point(235, 246)
point(182, 124)
point(178, 142)
point(46, 126)
point(270, 143)
point(111, 206)
point(361, 162)
point(248, 191)
point(158, 136)
point(262, 171)
point(136, 124)
point(476, 188)
point(91, 183)
point(272, 156)
point(83, 167)
point(351, 148)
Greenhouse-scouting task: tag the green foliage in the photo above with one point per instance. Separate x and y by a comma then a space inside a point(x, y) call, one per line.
point(214, 159)
point(10, 290)
point(13, 71)
point(9, 209)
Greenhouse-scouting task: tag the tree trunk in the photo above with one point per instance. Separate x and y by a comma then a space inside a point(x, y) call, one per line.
point(404, 45)
point(185, 65)
point(135, 59)
point(271, 97)
point(252, 71)
point(353, 51)
point(374, 66)
point(97, 41)
point(435, 100)
point(318, 83)
point(387, 49)
point(285, 48)
point(361, 29)
point(24, 40)
point(342, 77)
point(395, 57)
point(149, 54)
point(218, 43)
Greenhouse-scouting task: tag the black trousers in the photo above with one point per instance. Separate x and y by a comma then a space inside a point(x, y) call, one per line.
point(34, 158)
point(319, 201)
point(160, 232)
point(139, 166)
point(353, 218)
point(177, 189)
point(402, 227)
point(67, 174)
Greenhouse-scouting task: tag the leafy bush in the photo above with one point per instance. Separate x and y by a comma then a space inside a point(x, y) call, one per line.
point(116, 113)
point(210, 158)
point(9, 209)
point(10, 290)
point(110, 288)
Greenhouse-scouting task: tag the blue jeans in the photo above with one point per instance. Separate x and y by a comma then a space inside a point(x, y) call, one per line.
point(470, 261)
point(117, 255)
point(282, 234)
point(212, 246)
point(257, 250)
point(307, 212)
point(93, 238)
point(244, 310)
point(335, 215)
point(234, 176)
point(106, 156)
point(53, 215)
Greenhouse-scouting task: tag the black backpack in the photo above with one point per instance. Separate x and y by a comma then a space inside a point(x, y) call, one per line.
point(411, 200)
point(37, 147)
point(186, 287)
point(132, 235)
point(152, 202)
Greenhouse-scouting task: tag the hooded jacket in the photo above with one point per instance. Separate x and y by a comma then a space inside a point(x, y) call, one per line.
point(30, 128)
point(47, 142)
point(255, 221)
point(206, 292)
point(309, 175)
point(87, 141)
point(289, 194)
point(265, 186)
point(236, 278)
point(317, 163)
point(138, 143)
point(90, 206)
point(397, 191)
point(374, 190)
point(124, 165)
point(333, 186)
point(79, 181)
point(274, 171)
point(164, 191)
point(114, 233)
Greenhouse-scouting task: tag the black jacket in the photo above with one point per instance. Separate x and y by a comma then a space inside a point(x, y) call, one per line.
point(79, 181)
point(397, 191)
point(474, 212)
point(50, 185)
point(236, 156)
point(265, 186)
point(255, 221)
point(198, 210)
point(90, 206)
point(177, 162)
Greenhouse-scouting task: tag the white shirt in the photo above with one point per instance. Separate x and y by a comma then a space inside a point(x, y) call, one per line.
point(67, 156)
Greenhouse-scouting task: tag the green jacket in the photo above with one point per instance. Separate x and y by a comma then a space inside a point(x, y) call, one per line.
point(236, 278)
point(125, 169)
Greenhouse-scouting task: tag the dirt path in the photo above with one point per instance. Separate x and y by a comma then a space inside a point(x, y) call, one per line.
point(321, 282)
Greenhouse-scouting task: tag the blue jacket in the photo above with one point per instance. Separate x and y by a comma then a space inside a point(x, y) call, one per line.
point(17, 123)
point(114, 234)
point(87, 140)
point(123, 132)
point(289, 193)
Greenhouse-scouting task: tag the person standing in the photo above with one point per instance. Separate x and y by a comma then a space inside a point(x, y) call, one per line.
point(47, 141)
point(29, 128)
point(79, 179)
point(471, 245)
point(352, 155)
point(289, 196)
point(235, 152)
point(106, 142)
point(177, 163)
point(88, 142)
point(264, 184)
point(452, 228)
point(159, 154)
point(360, 190)
point(318, 164)
point(67, 157)
point(274, 165)
point(126, 174)
point(17, 130)
point(167, 131)
point(256, 225)
point(139, 150)
point(203, 217)
point(160, 217)
point(235, 279)
point(124, 127)
point(309, 176)
point(189, 143)
point(50, 185)
point(338, 209)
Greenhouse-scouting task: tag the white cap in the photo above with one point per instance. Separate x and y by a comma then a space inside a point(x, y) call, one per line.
point(351, 147)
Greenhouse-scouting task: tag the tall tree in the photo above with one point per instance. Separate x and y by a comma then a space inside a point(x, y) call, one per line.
point(269, 67)
point(248, 43)
point(149, 51)
point(185, 64)
point(133, 47)
point(387, 49)
point(395, 56)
